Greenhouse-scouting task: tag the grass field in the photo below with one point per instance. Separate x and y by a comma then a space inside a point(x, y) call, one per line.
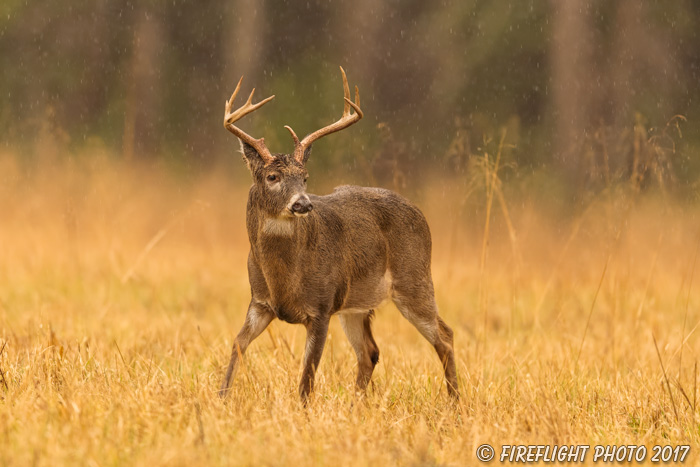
point(121, 289)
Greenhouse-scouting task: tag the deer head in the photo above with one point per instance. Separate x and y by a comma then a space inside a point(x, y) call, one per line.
point(281, 178)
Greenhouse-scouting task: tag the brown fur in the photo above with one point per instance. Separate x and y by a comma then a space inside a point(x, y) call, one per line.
point(335, 260)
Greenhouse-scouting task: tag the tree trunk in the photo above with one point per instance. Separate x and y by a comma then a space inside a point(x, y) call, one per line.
point(244, 46)
point(571, 67)
point(143, 97)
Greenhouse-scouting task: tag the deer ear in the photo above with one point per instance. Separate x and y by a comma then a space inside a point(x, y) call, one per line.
point(250, 155)
point(307, 153)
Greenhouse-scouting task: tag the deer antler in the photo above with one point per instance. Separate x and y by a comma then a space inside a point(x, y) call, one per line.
point(231, 117)
point(345, 121)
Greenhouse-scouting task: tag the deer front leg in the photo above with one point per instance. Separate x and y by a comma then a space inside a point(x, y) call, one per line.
point(256, 321)
point(316, 333)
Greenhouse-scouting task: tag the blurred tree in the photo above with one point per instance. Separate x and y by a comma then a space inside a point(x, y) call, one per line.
point(243, 40)
point(143, 106)
point(571, 58)
point(150, 77)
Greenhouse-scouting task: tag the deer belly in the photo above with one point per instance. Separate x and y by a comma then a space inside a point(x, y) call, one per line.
point(367, 294)
point(289, 314)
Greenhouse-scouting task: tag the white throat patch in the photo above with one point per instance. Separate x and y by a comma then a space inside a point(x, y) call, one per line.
point(279, 226)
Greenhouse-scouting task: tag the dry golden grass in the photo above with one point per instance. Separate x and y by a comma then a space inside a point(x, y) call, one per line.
point(121, 289)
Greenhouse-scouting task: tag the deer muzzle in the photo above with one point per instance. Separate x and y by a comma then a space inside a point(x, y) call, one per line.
point(301, 205)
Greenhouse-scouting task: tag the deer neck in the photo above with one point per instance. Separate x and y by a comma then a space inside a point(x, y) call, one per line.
point(279, 247)
point(277, 238)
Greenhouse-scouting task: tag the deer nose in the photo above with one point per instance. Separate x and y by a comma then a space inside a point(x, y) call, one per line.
point(302, 206)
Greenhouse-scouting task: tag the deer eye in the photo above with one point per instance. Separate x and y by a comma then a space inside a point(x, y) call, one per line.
point(272, 178)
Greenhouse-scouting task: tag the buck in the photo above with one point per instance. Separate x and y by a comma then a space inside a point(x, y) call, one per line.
point(312, 257)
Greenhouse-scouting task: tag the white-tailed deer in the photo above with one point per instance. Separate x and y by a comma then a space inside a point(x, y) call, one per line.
point(312, 257)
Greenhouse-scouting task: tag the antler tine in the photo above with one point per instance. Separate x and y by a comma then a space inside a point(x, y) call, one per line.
point(355, 106)
point(294, 135)
point(230, 117)
point(346, 93)
point(229, 102)
point(348, 118)
point(262, 102)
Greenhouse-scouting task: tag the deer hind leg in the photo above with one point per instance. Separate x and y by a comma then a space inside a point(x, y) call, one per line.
point(358, 329)
point(421, 310)
point(257, 319)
